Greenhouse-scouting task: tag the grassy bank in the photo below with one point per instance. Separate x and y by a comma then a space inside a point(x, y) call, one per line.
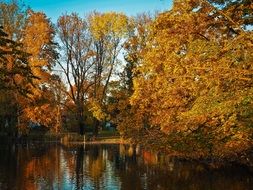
point(103, 137)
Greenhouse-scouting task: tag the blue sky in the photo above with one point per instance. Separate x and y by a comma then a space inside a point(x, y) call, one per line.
point(55, 8)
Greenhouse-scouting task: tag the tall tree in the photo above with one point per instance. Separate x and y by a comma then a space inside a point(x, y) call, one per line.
point(37, 37)
point(91, 48)
point(76, 61)
point(13, 17)
point(36, 33)
point(15, 78)
point(122, 113)
point(108, 31)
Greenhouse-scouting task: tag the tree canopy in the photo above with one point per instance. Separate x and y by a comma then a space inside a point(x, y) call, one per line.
point(180, 81)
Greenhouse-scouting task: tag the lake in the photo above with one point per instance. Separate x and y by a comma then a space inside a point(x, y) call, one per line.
point(51, 166)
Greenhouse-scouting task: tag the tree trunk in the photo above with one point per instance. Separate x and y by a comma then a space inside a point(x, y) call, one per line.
point(79, 167)
point(81, 126)
point(95, 127)
point(81, 119)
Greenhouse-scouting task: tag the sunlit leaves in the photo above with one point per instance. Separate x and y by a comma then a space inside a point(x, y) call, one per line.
point(38, 37)
point(193, 77)
point(105, 24)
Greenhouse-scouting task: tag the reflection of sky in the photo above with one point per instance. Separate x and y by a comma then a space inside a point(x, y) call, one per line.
point(117, 169)
point(67, 178)
point(111, 180)
point(55, 8)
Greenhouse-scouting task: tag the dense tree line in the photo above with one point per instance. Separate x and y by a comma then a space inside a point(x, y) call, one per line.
point(180, 81)
point(192, 80)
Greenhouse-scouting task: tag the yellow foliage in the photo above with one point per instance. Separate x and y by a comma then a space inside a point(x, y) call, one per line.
point(194, 78)
point(38, 34)
point(96, 110)
point(104, 24)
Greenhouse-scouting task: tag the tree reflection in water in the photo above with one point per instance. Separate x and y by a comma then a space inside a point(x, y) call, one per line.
point(51, 166)
point(79, 167)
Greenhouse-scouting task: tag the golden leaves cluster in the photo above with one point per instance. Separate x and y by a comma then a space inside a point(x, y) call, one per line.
point(194, 75)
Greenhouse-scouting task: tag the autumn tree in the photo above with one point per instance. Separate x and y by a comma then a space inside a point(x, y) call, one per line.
point(109, 31)
point(36, 33)
point(57, 88)
point(46, 109)
point(13, 17)
point(121, 112)
point(90, 49)
point(195, 79)
point(15, 76)
point(75, 62)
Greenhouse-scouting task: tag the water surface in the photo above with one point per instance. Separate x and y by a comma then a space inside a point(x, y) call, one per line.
point(51, 166)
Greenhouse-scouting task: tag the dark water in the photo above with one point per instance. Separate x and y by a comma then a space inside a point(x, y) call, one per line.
point(42, 167)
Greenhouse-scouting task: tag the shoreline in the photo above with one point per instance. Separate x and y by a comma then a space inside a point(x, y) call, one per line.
point(244, 158)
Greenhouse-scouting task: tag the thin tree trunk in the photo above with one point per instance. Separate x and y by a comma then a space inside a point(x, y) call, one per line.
point(95, 127)
point(81, 126)
point(81, 119)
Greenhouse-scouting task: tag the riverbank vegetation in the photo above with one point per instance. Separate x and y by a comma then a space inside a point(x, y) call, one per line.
point(179, 81)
